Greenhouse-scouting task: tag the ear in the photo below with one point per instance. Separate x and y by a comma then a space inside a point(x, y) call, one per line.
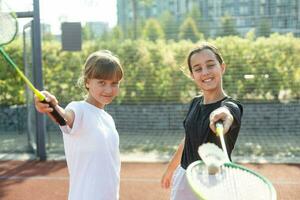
point(87, 83)
point(223, 68)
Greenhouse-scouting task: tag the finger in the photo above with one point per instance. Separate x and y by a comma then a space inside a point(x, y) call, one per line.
point(212, 126)
point(50, 98)
point(43, 108)
point(214, 118)
point(168, 184)
point(227, 123)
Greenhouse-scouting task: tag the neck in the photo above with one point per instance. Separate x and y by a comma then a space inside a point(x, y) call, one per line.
point(92, 101)
point(212, 97)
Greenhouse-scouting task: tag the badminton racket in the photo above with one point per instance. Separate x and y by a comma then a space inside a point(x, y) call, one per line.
point(231, 181)
point(8, 31)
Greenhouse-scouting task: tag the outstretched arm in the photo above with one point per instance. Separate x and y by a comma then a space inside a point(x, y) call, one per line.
point(68, 115)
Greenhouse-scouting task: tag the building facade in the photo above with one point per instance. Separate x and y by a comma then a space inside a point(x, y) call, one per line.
point(281, 16)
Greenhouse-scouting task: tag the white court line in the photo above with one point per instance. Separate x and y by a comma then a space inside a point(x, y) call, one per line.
point(34, 177)
point(66, 178)
point(278, 182)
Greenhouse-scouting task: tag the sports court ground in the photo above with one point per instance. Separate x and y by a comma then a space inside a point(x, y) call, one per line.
point(34, 180)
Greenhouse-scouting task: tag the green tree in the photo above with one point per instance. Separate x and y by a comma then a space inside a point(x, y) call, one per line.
point(117, 33)
point(153, 30)
point(135, 6)
point(228, 26)
point(87, 33)
point(202, 26)
point(105, 35)
point(195, 14)
point(169, 25)
point(263, 28)
point(258, 69)
point(189, 31)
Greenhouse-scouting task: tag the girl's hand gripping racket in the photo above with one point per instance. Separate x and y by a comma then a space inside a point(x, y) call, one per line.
point(8, 31)
point(229, 181)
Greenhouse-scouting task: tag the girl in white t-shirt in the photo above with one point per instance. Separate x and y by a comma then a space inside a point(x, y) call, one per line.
point(91, 140)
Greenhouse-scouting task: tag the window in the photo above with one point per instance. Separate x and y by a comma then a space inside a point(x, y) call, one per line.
point(244, 10)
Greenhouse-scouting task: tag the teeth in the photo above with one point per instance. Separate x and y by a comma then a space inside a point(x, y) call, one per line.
point(207, 80)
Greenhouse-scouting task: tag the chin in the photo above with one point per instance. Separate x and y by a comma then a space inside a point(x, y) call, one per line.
point(107, 101)
point(208, 89)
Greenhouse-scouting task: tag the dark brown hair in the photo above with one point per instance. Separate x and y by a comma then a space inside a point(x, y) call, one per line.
point(203, 46)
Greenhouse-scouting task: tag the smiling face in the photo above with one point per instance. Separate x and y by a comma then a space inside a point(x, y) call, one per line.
point(207, 71)
point(102, 75)
point(101, 92)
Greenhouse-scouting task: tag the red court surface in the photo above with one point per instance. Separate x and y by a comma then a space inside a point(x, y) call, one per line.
point(33, 180)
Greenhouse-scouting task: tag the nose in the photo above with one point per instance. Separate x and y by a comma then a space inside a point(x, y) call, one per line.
point(205, 71)
point(108, 89)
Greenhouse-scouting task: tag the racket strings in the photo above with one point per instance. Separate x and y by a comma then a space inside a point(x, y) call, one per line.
point(8, 27)
point(231, 184)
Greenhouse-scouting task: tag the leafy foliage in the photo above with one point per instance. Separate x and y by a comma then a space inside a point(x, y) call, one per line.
point(258, 69)
point(228, 26)
point(189, 30)
point(153, 30)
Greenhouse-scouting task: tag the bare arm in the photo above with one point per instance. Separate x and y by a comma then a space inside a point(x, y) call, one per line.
point(68, 115)
point(173, 164)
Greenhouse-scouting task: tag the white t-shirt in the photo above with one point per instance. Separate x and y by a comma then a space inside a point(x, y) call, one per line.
point(92, 154)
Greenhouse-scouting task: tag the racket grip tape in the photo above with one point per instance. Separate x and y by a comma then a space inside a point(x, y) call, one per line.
point(58, 118)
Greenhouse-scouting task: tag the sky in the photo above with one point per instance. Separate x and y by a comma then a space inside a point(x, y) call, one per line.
point(54, 12)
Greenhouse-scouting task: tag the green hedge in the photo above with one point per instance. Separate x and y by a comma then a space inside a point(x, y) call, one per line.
point(153, 70)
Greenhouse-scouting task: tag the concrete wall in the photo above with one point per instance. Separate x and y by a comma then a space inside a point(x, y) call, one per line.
point(267, 119)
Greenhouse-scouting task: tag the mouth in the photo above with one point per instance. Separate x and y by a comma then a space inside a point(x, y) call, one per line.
point(207, 80)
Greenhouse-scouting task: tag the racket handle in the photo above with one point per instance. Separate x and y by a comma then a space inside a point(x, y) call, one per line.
point(58, 118)
point(220, 133)
point(219, 127)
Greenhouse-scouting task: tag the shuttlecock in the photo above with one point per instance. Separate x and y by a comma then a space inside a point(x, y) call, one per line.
point(212, 156)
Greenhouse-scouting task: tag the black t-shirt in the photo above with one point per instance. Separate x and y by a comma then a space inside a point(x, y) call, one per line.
point(197, 131)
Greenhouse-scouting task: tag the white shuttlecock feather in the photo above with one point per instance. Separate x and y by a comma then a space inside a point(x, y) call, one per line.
point(212, 156)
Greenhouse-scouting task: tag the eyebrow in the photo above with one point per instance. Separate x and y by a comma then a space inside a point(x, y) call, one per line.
point(210, 61)
point(206, 62)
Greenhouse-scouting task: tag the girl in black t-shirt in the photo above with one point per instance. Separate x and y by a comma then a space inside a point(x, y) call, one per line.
point(206, 68)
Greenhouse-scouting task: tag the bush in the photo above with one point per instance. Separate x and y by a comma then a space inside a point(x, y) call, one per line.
point(258, 69)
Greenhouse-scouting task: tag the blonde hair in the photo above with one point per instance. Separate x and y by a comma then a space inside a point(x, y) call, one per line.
point(101, 65)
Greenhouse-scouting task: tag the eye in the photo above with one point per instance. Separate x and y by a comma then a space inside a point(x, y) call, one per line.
point(197, 69)
point(101, 83)
point(115, 84)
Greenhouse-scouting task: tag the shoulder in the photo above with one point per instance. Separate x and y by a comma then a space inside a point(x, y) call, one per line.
point(235, 108)
point(76, 106)
point(232, 103)
point(108, 116)
point(197, 99)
